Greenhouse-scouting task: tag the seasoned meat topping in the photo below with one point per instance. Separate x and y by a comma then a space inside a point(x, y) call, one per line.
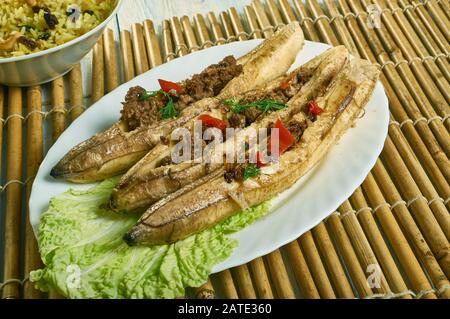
point(297, 128)
point(136, 112)
point(213, 79)
point(141, 112)
point(237, 120)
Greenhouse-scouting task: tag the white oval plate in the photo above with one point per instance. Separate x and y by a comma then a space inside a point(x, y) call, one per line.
point(295, 211)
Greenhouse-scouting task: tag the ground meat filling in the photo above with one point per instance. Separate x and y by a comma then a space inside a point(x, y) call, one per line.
point(212, 80)
point(137, 112)
point(282, 94)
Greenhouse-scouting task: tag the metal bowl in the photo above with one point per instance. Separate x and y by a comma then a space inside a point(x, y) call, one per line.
point(44, 66)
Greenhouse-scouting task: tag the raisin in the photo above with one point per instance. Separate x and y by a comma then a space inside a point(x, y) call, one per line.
point(31, 44)
point(51, 20)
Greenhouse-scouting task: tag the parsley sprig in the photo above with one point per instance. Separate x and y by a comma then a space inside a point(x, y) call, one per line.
point(264, 105)
point(168, 111)
point(251, 170)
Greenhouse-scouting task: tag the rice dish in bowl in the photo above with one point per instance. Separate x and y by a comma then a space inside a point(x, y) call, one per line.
point(29, 26)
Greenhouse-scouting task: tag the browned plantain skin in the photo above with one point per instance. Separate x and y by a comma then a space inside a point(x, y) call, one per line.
point(145, 183)
point(114, 151)
point(211, 200)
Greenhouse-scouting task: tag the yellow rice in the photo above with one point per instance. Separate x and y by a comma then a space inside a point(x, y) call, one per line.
point(17, 15)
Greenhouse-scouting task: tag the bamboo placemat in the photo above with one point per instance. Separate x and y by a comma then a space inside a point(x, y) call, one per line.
point(396, 224)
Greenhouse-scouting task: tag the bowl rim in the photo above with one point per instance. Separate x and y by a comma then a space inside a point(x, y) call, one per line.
point(67, 44)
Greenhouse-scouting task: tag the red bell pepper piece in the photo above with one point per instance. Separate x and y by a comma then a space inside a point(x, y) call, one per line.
point(168, 86)
point(285, 138)
point(314, 109)
point(210, 121)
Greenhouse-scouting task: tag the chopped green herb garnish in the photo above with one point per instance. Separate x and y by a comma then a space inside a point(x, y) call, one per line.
point(148, 94)
point(169, 110)
point(264, 105)
point(251, 170)
point(26, 26)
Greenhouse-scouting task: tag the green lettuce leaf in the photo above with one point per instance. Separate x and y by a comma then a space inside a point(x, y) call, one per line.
point(84, 256)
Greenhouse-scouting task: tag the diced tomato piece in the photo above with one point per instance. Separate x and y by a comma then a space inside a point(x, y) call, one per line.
point(287, 82)
point(168, 86)
point(314, 108)
point(210, 121)
point(285, 138)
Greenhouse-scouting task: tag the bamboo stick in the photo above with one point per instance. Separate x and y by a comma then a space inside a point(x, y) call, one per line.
point(279, 275)
point(411, 107)
point(363, 250)
point(262, 18)
point(316, 266)
point(206, 291)
point(412, 84)
point(111, 73)
point(167, 42)
point(339, 24)
point(262, 283)
point(178, 39)
point(424, 36)
point(216, 29)
point(286, 11)
point(127, 55)
point(396, 238)
point(244, 282)
point(414, 235)
point(139, 51)
point(34, 153)
point(98, 80)
point(152, 44)
point(189, 34)
point(409, 129)
point(332, 262)
point(435, 25)
point(58, 108)
point(308, 26)
point(322, 25)
point(250, 15)
point(397, 82)
point(237, 24)
point(227, 284)
point(388, 188)
point(432, 169)
point(13, 194)
point(422, 212)
point(301, 271)
point(75, 92)
point(375, 238)
point(227, 27)
point(445, 6)
point(345, 247)
point(274, 13)
point(202, 31)
point(410, 53)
